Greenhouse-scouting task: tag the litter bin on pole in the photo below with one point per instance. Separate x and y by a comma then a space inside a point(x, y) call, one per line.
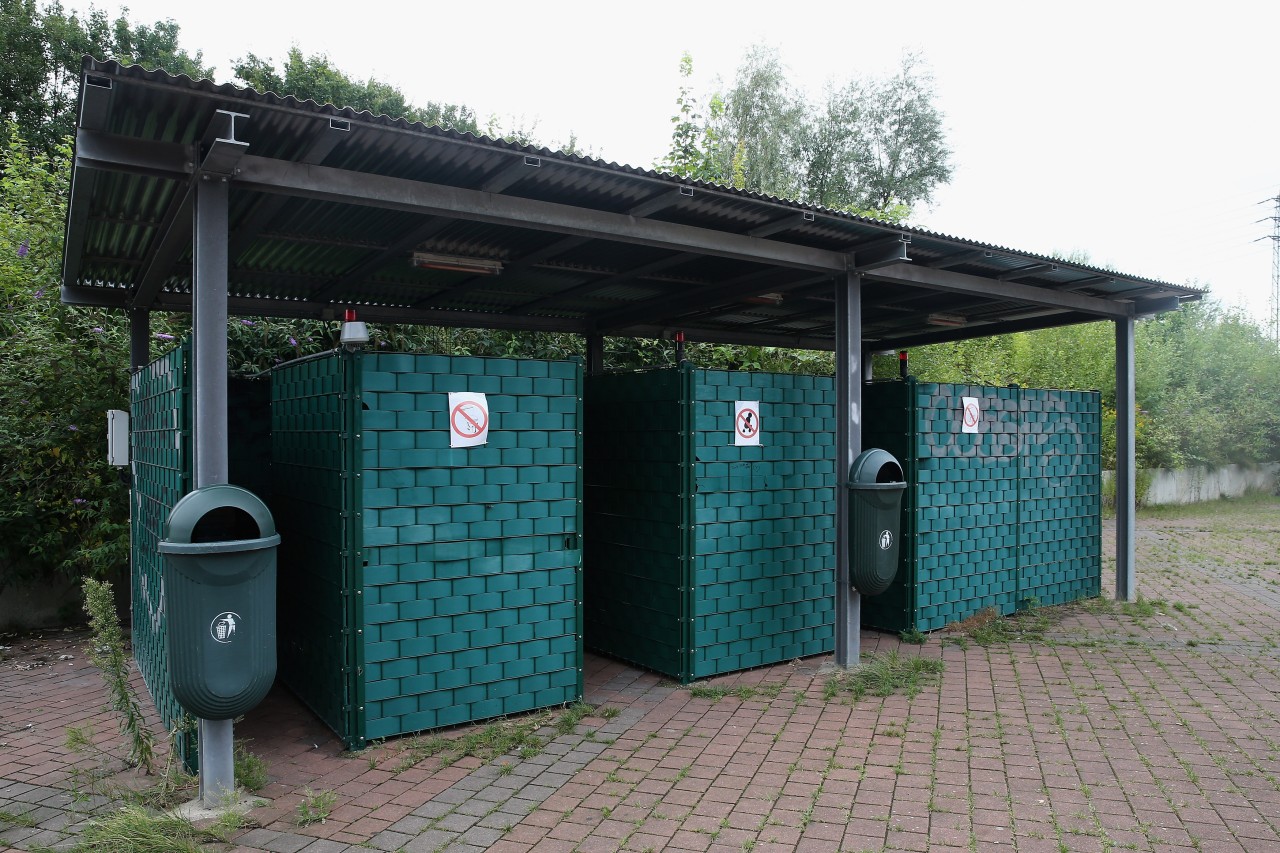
point(219, 550)
point(877, 485)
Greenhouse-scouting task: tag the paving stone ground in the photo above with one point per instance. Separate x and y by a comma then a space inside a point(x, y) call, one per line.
point(1153, 727)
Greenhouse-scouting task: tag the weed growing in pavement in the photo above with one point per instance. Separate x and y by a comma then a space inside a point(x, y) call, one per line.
point(250, 770)
point(884, 675)
point(171, 785)
point(15, 819)
point(135, 829)
point(107, 652)
point(519, 735)
point(567, 720)
point(316, 806)
point(716, 692)
point(987, 627)
point(914, 637)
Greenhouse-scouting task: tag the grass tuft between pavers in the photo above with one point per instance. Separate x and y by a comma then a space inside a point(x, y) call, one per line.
point(987, 627)
point(885, 675)
point(134, 829)
point(522, 736)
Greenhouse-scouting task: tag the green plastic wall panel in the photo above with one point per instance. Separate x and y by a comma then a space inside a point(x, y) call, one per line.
point(764, 554)
point(160, 435)
point(314, 452)
point(637, 473)
point(704, 557)
point(249, 434)
point(472, 557)
point(1008, 517)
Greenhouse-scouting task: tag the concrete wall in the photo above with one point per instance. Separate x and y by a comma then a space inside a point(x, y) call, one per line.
point(1192, 485)
point(44, 604)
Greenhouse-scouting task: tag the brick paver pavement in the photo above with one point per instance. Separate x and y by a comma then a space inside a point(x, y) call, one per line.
point(1153, 727)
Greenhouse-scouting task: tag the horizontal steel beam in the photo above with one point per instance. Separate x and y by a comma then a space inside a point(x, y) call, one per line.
point(954, 282)
point(977, 330)
point(360, 188)
point(717, 336)
point(245, 306)
point(1026, 272)
point(110, 153)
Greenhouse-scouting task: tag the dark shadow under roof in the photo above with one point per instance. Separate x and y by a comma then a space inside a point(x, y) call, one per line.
point(328, 208)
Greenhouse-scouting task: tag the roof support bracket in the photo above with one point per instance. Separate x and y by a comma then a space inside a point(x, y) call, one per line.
point(220, 148)
point(880, 253)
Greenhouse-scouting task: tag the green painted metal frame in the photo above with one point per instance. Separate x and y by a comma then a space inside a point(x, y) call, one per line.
point(353, 551)
point(688, 521)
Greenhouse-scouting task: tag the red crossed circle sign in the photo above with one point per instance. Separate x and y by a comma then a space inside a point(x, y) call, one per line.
point(468, 419)
point(971, 414)
point(748, 423)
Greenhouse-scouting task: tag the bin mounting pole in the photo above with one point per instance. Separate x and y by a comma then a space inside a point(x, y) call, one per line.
point(209, 334)
point(848, 446)
point(1126, 465)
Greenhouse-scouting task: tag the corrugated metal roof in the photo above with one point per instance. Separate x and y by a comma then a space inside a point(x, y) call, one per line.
point(585, 245)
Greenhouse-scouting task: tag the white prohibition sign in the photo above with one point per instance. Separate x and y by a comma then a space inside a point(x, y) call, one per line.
point(746, 423)
point(886, 540)
point(223, 627)
point(468, 419)
point(972, 414)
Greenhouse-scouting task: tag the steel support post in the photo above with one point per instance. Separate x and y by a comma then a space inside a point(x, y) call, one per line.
point(595, 355)
point(848, 446)
point(1126, 465)
point(209, 335)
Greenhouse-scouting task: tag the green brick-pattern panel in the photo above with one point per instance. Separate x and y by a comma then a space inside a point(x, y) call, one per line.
point(1005, 518)
point(966, 502)
point(764, 552)
point(1060, 540)
point(249, 434)
point(160, 437)
point(472, 576)
point(636, 560)
point(314, 453)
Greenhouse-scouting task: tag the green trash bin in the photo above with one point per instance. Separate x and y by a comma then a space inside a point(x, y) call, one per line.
point(875, 522)
point(219, 551)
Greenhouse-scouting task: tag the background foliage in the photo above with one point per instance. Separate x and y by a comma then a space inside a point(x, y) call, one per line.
point(1208, 379)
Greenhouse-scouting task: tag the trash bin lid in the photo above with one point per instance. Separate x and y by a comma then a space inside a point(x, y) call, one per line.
point(237, 513)
point(875, 467)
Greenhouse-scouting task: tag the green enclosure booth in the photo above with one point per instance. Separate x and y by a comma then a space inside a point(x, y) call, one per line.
point(420, 585)
point(710, 500)
point(424, 584)
point(1003, 507)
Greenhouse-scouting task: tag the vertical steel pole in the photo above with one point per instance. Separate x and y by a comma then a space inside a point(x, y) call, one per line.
point(209, 333)
point(1126, 465)
point(848, 446)
point(139, 339)
point(595, 355)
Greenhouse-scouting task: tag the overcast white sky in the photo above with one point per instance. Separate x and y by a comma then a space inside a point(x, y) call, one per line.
point(1145, 134)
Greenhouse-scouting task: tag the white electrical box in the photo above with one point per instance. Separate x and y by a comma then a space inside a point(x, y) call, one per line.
point(117, 437)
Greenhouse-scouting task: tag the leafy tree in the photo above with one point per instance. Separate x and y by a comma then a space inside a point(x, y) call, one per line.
point(757, 132)
point(692, 139)
point(40, 65)
point(61, 506)
point(902, 150)
point(872, 146)
point(316, 77)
